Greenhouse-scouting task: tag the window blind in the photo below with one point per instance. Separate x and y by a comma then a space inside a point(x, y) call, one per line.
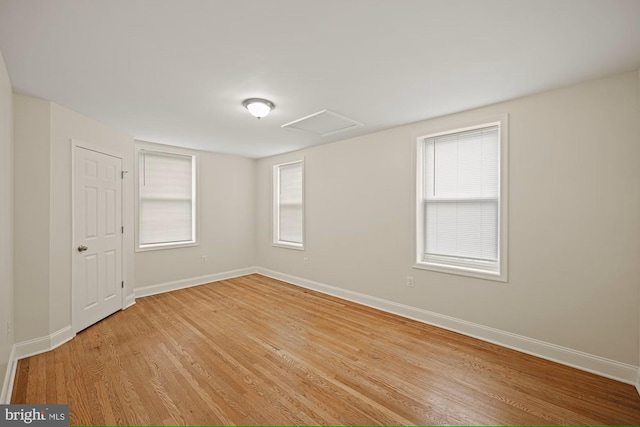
point(166, 198)
point(290, 211)
point(462, 197)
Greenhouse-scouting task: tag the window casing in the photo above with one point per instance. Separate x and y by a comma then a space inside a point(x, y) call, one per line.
point(461, 209)
point(288, 205)
point(166, 200)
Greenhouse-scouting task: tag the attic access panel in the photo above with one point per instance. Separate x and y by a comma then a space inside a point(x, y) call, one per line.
point(323, 123)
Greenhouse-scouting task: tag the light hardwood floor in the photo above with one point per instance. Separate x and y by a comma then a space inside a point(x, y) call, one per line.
point(253, 350)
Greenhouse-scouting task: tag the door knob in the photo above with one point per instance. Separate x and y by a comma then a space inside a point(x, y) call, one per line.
point(82, 248)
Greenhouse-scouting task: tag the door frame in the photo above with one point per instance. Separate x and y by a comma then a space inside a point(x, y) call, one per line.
point(75, 143)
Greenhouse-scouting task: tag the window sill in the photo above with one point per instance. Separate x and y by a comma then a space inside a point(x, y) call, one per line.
point(462, 271)
point(160, 247)
point(298, 247)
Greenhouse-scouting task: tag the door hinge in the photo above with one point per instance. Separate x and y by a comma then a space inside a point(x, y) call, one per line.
point(122, 174)
point(123, 284)
point(122, 229)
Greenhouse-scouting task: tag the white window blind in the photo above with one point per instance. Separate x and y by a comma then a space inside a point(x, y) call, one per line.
point(166, 199)
point(288, 226)
point(461, 200)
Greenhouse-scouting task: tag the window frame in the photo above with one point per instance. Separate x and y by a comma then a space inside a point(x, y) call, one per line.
point(195, 241)
point(275, 229)
point(471, 269)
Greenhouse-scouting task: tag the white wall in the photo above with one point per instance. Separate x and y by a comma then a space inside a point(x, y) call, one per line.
point(67, 125)
point(43, 246)
point(42, 221)
point(574, 219)
point(226, 221)
point(6, 218)
point(32, 121)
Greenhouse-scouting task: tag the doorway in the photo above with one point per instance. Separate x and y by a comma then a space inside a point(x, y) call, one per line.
point(97, 236)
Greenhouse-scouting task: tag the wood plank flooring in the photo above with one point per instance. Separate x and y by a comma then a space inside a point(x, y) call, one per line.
point(253, 350)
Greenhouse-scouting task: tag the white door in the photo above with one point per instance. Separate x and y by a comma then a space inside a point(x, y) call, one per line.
point(97, 275)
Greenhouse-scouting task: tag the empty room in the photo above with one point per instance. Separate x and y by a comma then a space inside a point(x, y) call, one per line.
point(411, 212)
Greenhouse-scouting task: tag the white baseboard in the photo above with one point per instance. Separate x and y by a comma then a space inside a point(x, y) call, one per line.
point(9, 378)
point(43, 344)
point(130, 300)
point(584, 361)
point(194, 281)
point(31, 348)
point(40, 345)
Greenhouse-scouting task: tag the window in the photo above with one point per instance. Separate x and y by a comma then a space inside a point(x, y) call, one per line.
point(461, 194)
point(166, 200)
point(288, 202)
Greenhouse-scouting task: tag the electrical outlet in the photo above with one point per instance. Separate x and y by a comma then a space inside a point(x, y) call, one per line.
point(203, 259)
point(410, 283)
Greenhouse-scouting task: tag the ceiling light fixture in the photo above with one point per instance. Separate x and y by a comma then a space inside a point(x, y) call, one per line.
point(258, 107)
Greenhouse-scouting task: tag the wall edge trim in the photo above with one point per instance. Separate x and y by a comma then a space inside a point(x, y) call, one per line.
point(194, 281)
point(29, 348)
point(598, 365)
point(129, 300)
point(9, 377)
point(39, 345)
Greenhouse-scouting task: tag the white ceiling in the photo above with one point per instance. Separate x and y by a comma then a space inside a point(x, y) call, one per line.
point(176, 71)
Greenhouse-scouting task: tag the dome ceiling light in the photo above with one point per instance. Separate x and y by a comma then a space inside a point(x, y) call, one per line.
point(258, 107)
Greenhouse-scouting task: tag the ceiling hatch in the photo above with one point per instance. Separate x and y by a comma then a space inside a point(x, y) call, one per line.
point(323, 123)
